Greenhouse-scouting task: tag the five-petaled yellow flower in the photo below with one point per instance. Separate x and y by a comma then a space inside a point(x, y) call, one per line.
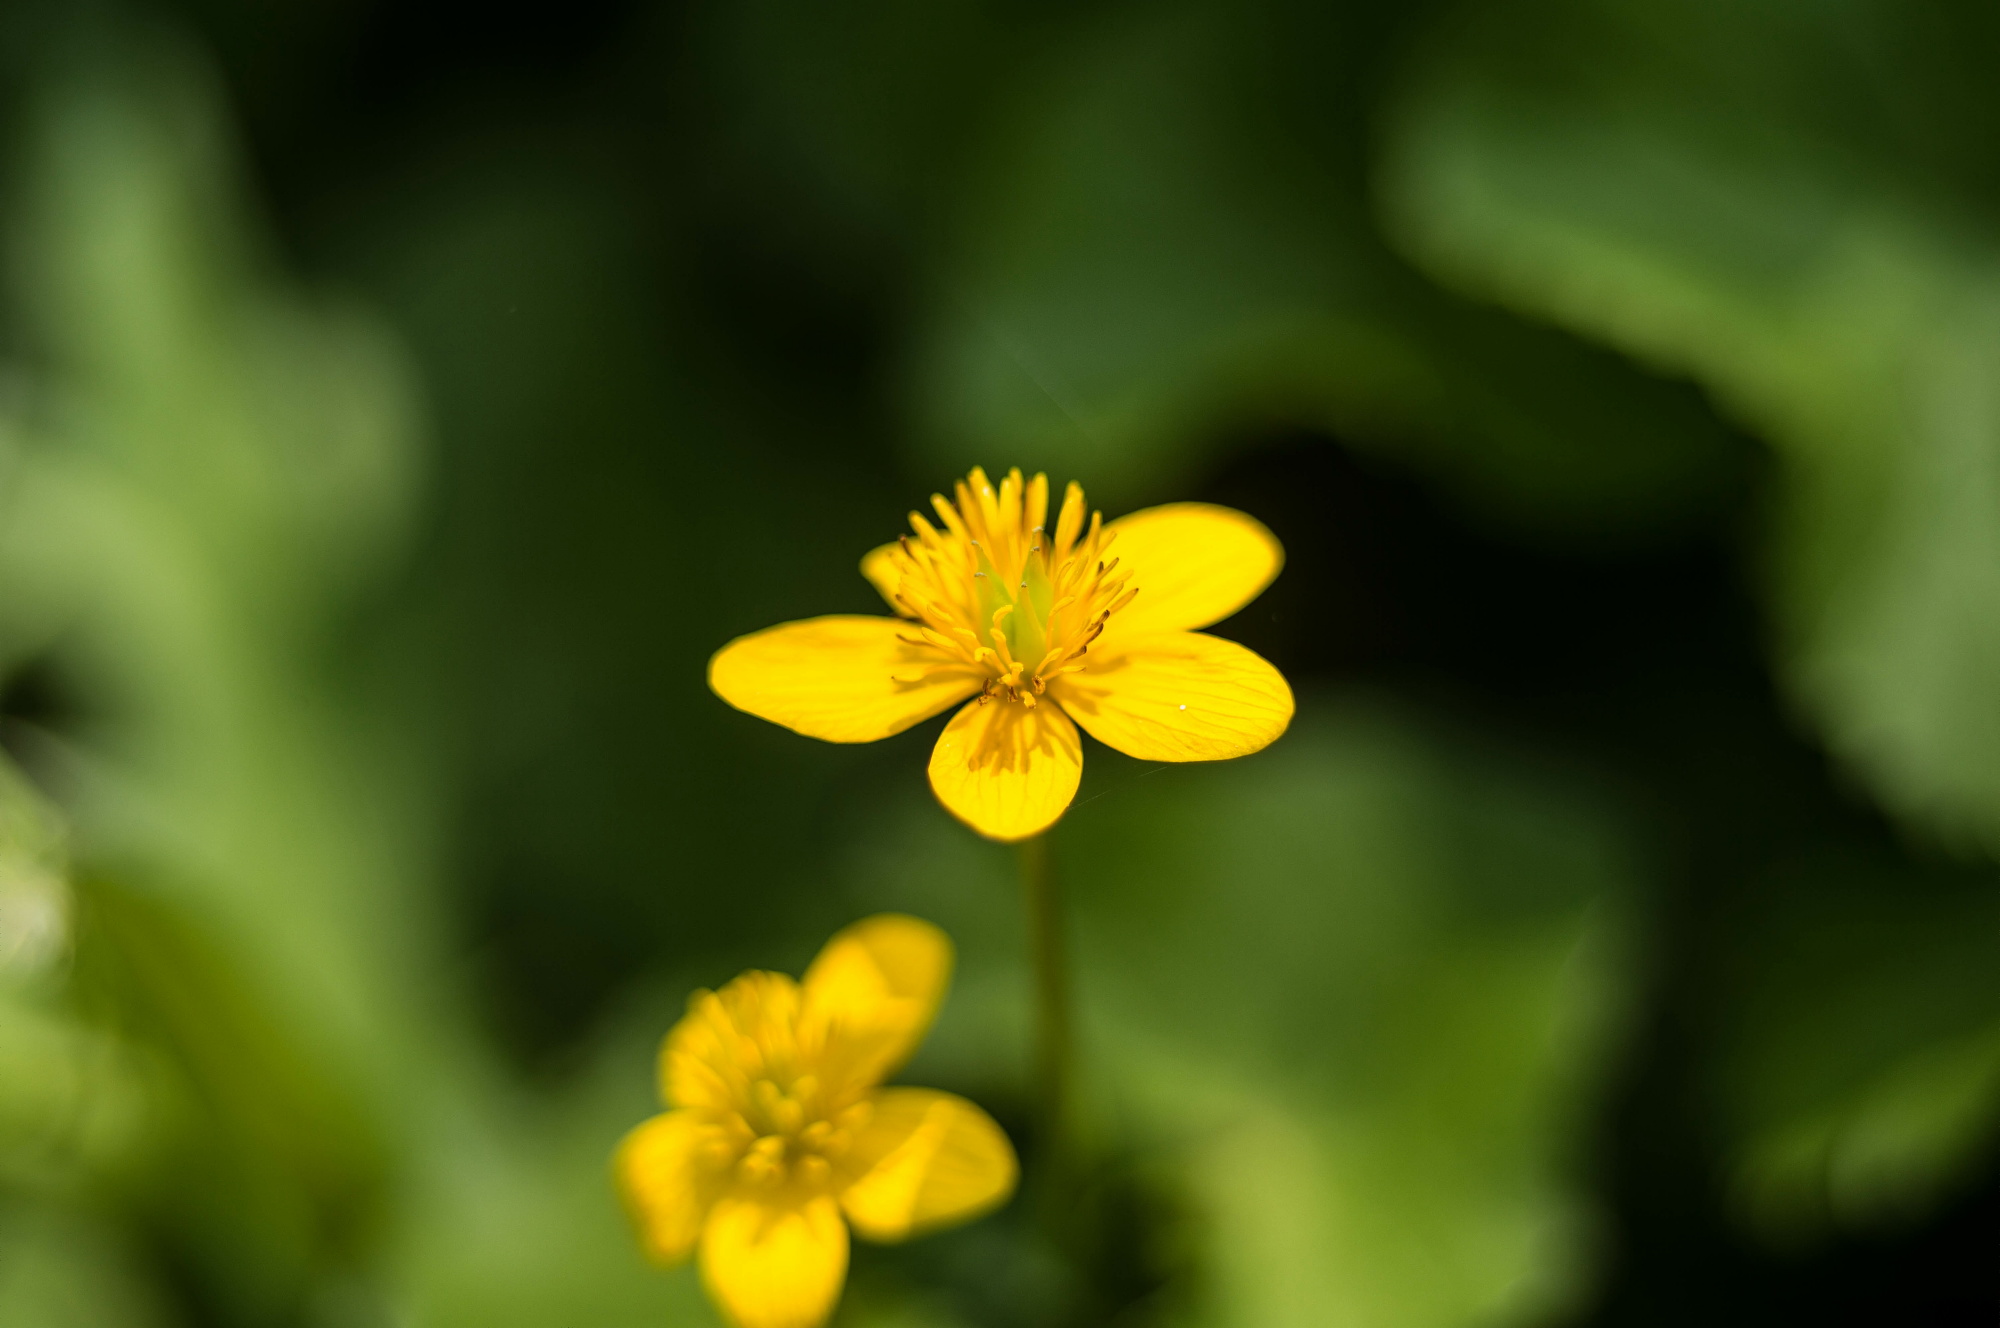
point(1098, 619)
point(778, 1129)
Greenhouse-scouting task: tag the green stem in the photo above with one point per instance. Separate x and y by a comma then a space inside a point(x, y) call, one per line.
point(1052, 1001)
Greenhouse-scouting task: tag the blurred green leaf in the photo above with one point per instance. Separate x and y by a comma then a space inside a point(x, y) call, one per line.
point(212, 468)
point(1790, 204)
point(1158, 252)
point(1349, 997)
point(1858, 1057)
point(517, 1223)
point(216, 459)
point(272, 1167)
point(76, 1100)
point(34, 897)
point(217, 475)
point(63, 1270)
point(1787, 204)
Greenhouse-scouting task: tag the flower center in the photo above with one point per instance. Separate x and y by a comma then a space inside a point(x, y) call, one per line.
point(784, 1134)
point(995, 589)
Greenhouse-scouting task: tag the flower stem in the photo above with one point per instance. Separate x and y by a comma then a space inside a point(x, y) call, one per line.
point(1052, 1004)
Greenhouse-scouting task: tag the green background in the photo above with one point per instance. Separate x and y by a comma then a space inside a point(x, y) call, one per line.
point(400, 401)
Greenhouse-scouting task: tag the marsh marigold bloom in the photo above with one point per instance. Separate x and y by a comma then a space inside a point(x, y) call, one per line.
point(779, 1137)
point(1086, 622)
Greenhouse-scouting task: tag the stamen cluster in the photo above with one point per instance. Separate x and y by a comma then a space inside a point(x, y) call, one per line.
point(996, 591)
point(777, 1123)
point(783, 1135)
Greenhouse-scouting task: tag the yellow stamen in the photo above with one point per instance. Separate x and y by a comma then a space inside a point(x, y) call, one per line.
point(993, 589)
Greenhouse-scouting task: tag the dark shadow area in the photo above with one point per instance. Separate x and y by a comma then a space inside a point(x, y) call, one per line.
point(1648, 669)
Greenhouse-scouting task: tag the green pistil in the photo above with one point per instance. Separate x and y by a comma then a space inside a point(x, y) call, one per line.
point(1031, 597)
point(1027, 626)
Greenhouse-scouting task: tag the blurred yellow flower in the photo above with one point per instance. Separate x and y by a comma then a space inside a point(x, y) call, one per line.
point(994, 605)
point(779, 1138)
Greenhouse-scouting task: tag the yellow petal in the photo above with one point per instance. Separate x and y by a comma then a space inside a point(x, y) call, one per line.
point(1005, 770)
point(841, 678)
point(880, 569)
point(1178, 696)
point(1194, 564)
point(729, 1039)
point(925, 1159)
point(775, 1265)
point(874, 990)
point(670, 1174)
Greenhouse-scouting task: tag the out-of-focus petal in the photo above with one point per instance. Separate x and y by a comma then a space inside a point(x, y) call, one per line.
point(1193, 563)
point(723, 1043)
point(775, 1265)
point(1005, 770)
point(671, 1171)
point(841, 678)
point(923, 1160)
point(879, 566)
point(873, 992)
point(1178, 696)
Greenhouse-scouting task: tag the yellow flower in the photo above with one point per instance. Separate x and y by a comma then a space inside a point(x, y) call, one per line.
point(779, 1138)
point(1096, 618)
